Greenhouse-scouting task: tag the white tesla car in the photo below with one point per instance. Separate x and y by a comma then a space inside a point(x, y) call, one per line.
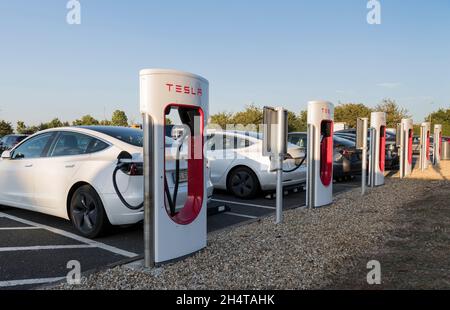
point(237, 164)
point(67, 172)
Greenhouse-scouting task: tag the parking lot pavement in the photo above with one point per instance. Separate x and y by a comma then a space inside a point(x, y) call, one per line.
point(35, 248)
point(32, 253)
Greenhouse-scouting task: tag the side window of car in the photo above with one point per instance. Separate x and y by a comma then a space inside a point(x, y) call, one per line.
point(72, 143)
point(33, 148)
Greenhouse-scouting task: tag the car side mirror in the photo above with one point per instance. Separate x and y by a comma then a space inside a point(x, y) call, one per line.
point(6, 155)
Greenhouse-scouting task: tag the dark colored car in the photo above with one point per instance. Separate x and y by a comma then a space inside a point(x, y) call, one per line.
point(346, 158)
point(10, 141)
point(392, 156)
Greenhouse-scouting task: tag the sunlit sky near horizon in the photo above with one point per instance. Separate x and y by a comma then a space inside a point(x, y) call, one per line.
point(279, 53)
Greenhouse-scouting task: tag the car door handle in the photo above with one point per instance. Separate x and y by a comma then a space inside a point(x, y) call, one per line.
point(29, 166)
point(70, 166)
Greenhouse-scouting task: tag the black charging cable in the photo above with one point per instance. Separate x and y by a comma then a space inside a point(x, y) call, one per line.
point(119, 166)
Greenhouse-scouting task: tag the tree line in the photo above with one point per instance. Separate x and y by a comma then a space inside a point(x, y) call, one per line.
point(253, 115)
point(119, 118)
point(344, 112)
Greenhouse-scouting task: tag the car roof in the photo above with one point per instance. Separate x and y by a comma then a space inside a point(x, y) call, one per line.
point(239, 134)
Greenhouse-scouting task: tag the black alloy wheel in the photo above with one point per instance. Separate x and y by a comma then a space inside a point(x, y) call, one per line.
point(87, 213)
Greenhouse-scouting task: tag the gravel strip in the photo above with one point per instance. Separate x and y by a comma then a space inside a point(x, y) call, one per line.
point(310, 249)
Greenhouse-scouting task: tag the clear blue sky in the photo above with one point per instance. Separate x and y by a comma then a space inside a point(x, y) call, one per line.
point(266, 52)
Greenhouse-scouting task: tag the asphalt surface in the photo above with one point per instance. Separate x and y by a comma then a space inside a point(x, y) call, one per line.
point(35, 248)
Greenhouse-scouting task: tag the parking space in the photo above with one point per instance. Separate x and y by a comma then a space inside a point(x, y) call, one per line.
point(41, 246)
point(33, 253)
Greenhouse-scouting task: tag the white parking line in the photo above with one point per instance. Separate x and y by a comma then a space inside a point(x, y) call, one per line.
point(19, 228)
point(29, 281)
point(244, 204)
point(46, 247)
point(241, 215)
point(72, 236)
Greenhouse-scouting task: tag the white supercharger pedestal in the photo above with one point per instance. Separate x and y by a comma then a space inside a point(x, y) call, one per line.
point(437, 144)
point(319, 184)
point(173, 230)
point(406, 145)
point(425, 133)
point(377, 148)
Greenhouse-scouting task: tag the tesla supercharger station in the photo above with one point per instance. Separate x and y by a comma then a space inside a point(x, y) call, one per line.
point(377, 148)
point(437, 144)
point(173, 228)
point(319, 184)
point(405, 135)
point(425, 133)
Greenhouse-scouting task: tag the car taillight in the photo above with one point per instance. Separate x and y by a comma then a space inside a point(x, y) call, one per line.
point(288, 156)
point(133, 170)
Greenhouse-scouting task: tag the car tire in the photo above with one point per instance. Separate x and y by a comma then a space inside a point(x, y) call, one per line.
point(87, 213)
point(243, 183)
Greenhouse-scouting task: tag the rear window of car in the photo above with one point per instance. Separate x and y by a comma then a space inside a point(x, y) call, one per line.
point(298, 140)
point(344, 142)
point(128, 135)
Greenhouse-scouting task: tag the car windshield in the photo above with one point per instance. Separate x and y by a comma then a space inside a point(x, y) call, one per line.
point(128, 135)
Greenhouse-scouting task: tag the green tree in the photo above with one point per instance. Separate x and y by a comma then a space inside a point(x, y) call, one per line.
point(297, 122)
point(86, 120)
point(55, 123)
point(119, 118)
point(105, 122)
point(252, 115)
point(21, 128)
point(5, 128)
point(303, 121)
point(394, 113)
point(441, 116)
point(222, 119)
point(350, 112)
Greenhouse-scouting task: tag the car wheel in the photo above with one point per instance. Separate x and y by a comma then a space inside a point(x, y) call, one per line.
point(243, 183)
point(87, 213)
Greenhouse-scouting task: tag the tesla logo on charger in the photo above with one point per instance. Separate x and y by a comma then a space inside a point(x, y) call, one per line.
point(184, 89)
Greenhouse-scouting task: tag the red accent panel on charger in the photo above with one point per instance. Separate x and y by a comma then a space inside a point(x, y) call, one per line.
point(428, 145)
point(326, 153)
point(410, 146)
point(382, 161)
point(195, 178)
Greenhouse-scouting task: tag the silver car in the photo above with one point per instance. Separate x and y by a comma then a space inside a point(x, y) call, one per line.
point(237, 164)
